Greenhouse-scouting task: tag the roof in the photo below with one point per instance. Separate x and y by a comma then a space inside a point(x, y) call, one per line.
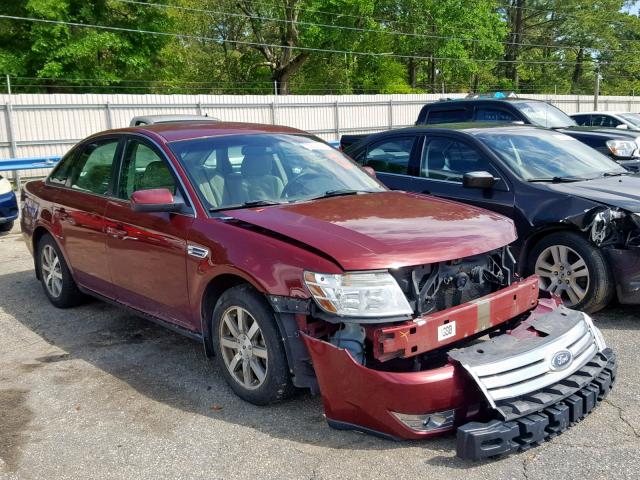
point(152, 119)
point(172, 132)
point(483, 99)
point(607, 112)
point(469, 127)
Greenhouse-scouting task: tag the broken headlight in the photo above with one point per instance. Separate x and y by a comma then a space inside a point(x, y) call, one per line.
point(622, 148)
point(366, 294)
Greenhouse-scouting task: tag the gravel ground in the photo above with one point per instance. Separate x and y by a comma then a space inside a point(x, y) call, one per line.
point(94, 392)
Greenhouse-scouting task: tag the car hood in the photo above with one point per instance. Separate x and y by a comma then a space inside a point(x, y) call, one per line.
point(384, 230)
point(621, 192)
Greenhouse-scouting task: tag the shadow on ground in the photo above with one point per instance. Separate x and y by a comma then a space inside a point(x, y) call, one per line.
point(171, 369)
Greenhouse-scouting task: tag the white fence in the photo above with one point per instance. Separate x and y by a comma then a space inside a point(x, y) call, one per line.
point(35, 125)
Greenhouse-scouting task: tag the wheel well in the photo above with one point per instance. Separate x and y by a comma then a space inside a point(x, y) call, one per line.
point(215, 288)
point(533, 240)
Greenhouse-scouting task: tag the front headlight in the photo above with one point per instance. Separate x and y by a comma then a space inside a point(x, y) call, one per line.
point(621, 148)
point(375, 294)
point(5, 186)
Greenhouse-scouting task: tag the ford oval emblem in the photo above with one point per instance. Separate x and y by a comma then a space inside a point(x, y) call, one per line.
point(561, 360)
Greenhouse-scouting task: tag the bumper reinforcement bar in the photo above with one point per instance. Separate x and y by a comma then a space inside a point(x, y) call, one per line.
point(477, 441)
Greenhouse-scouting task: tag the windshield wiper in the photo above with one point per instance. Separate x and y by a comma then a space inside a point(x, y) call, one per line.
point(339, 193)
point(254, 203)
point(557, 179)
point(616, 174)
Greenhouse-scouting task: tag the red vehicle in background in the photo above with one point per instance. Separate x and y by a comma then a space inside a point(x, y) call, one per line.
point(296, 268)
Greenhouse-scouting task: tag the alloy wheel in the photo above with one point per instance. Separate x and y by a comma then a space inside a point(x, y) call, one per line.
point(243, 348)
point(51, 271)
point(563, 271)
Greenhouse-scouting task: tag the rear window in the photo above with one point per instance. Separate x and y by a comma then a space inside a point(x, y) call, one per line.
point(447, 116)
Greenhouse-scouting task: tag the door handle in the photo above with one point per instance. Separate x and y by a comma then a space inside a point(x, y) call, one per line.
point(116, 232)
point(62, 214)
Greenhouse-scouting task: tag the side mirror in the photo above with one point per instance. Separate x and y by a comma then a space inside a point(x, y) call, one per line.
point(370, 171)
point(154, 200)
point(622, 126)
point(478, 180)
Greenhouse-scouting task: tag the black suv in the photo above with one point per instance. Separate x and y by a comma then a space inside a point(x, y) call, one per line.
point(620, 145)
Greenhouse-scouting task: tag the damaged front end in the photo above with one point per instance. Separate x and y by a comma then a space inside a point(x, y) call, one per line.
point(617, 233)
point(480, 352)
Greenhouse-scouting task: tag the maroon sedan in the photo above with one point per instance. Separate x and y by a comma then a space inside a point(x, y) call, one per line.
point(296, 268)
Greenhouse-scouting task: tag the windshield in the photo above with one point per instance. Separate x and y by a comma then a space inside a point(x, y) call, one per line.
point(545, 115)
point(632, 118)
point(537, 154)
point(236, 171)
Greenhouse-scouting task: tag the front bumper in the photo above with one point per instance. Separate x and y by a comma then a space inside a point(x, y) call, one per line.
point(8, 207)
point(554, 408)
point(625, 266)
point(477, 384)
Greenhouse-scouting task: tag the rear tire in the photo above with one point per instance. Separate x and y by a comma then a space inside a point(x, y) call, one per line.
point(571, 267)
point(249, 347)
point(55, 276)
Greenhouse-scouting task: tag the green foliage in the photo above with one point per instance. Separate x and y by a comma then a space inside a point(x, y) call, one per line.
point(243, 46)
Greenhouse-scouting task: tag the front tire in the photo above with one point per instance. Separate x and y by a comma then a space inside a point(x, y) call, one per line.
point(55, 275)
point(249, 348)
point(6, 227)
point(574, 269)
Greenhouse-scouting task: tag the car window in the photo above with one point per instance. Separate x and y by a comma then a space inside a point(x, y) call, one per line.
point(391, 156)
point(583, 120)
point(92, 171)
point(447, 116)
point(604, 121)
point(448, 159)
point(61, 172)
point(488, 114)
point(143, 169)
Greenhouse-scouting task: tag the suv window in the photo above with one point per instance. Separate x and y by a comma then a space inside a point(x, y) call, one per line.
point(447, 116)
point(582, 120)
point(143, 169)
point(391, 156)
point(92, 171)
point(604, 121)
point(489, 114)
point(447, 159)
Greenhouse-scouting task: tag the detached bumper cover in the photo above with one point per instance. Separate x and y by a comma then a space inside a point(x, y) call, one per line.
point(556, 408)
point(625, 266)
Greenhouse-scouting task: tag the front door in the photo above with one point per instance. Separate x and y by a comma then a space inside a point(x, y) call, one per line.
point(147, 251)
point(79, 214)
point(445, 160)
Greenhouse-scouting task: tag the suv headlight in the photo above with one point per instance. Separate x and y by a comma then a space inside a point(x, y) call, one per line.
point(367, 294)
point(621, 148)
point(5, 186)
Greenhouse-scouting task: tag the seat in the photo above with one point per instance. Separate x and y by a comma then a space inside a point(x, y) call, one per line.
point(157, 175)
point(258, 181)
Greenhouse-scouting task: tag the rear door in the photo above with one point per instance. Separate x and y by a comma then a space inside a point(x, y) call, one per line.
point(79, 213)
point(147, 251)
point(443, 162)
point(391, 158)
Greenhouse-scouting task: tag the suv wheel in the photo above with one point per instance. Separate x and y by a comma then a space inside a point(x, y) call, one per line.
point(574, 269)
point(55, 276)
point(249, 348)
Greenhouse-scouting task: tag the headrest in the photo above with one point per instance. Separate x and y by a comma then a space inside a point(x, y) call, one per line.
point(257, 161)
point(436, 160)
point(157, 175)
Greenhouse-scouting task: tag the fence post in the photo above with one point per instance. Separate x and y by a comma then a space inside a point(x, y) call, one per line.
point(199, 108)
point(11, 133)
point(109, 116)
point(336, 119)
point(390, 113)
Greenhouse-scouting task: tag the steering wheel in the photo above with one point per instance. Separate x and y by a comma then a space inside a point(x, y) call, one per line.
point(299, 184)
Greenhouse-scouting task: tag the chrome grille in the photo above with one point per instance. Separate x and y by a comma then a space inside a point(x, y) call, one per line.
point(512, 368)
